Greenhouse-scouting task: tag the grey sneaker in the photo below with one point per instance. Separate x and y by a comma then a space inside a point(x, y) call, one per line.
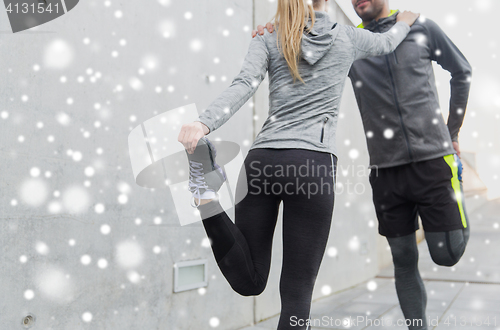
point(205, 175)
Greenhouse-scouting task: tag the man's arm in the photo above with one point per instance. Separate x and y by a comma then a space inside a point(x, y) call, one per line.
point(260, 29)
point(449, 57)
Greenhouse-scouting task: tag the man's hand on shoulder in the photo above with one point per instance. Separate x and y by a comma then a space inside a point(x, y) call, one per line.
point(260, 29)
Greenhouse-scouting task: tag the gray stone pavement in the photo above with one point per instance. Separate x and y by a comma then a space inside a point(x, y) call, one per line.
point(465, 296)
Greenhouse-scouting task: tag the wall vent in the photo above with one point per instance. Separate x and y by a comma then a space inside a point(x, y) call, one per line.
point(189, 275)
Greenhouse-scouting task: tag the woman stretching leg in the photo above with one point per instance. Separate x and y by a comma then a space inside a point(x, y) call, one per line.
point(297, 137)
point(243, 250)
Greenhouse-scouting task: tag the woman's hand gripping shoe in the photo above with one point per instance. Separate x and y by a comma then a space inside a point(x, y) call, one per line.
point(205, 175)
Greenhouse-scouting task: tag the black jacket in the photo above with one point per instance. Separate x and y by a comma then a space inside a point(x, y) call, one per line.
point(398, 100)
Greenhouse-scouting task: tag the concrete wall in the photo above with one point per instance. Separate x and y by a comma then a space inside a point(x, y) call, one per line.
point(83, 247)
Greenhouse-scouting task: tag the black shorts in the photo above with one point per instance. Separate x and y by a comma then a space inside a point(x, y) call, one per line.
point(428, 188)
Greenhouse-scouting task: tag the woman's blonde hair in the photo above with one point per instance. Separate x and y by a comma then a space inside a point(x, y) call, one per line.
point(291, 19)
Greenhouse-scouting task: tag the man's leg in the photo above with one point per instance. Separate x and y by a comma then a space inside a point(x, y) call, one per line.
point(398, 221)
point(443, 213)
point(446, 248)
point(409, 285)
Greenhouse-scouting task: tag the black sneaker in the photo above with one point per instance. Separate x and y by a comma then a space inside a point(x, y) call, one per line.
point(205, 175)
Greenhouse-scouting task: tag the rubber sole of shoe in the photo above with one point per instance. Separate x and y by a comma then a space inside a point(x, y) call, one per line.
point(213, 155)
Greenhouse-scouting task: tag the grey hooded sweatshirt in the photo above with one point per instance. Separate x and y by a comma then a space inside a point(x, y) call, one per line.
point(301, 115)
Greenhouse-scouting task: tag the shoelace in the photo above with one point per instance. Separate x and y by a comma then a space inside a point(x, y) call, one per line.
point(196, 180)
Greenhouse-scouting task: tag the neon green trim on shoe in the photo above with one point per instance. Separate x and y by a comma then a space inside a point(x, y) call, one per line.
point(450, 160)
point(393, 11)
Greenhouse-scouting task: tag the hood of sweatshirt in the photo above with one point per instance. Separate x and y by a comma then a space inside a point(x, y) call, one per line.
point(320, 39)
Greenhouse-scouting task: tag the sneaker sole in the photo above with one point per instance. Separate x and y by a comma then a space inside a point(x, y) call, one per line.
point(213, 154)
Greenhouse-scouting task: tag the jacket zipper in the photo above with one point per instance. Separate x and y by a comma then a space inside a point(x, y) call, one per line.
point(323, 129)
point(397, 106)
point(395, 57)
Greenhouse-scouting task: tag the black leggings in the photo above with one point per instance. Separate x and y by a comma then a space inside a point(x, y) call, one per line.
point(446, 249)
point(304, 180)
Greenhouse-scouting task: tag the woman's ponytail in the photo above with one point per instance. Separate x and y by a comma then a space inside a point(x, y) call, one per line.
point(291, 19)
